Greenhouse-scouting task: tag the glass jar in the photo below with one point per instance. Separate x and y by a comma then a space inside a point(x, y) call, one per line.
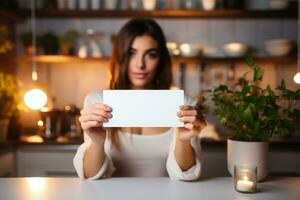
point(89, 44)
point(189, 4)
point(245, 178)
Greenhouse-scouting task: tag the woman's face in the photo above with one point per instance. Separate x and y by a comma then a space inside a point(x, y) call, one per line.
point(143, 62)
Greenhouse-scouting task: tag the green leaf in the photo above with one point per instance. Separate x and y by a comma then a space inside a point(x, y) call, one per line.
point(222, 88)
point(249, 61)
point(282, 85)
point(257, 74)
point(288, 125)
point(247, 115)
point(245, 90)
point(270, 91)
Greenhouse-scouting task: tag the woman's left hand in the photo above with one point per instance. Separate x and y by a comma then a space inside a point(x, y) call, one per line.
point(193, 121)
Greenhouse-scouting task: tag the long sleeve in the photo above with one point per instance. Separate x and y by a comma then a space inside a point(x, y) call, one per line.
point(174, 170)
point(107, 168)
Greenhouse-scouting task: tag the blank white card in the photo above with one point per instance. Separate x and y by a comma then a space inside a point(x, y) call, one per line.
point(144, 108)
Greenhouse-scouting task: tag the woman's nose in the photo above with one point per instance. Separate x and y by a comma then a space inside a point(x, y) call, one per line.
point(140, 62)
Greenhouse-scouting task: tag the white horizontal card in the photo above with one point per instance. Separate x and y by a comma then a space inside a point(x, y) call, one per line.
point(144, 108)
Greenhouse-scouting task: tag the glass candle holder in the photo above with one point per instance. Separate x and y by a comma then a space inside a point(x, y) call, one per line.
point(245, 178)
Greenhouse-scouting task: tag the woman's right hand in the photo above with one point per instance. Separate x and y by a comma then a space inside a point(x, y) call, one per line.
point(92, 119)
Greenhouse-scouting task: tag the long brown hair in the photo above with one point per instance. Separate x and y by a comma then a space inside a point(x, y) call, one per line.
point(121, 55)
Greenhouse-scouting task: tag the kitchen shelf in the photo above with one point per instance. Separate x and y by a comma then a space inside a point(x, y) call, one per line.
point(9, 17)
point(220, 13)
point(72, 59)
point(61, 59)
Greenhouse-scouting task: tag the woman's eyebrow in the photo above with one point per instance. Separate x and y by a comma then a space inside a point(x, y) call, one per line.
point(152, 49)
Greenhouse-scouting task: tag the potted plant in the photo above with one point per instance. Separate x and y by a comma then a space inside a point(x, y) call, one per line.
point(253, 115)
point(26, 39)
point(50, 43)
point(10, 101)
point(67, 42)
point(5, 42)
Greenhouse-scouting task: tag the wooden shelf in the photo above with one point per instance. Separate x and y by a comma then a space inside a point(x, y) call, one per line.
point(72, 59)
point(221, 13)
point(9, 17)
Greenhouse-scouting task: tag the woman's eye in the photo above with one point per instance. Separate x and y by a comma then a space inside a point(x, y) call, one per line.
point(152, 55)
point(131, 53)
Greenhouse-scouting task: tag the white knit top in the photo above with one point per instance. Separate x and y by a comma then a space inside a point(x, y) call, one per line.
point(140, 155)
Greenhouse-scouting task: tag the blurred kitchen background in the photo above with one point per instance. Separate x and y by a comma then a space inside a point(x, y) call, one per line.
point(73, 41)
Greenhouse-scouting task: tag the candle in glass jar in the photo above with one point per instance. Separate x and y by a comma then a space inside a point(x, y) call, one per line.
point(245, 185)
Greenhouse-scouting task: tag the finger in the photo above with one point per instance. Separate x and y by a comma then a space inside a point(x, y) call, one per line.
point(95, 107)
point(92, 117)
point(186, 107)
point(187, 113)
point(189, 126)
point(97, 111)
point(90, 124)
point(188, 119)
point(102, 106)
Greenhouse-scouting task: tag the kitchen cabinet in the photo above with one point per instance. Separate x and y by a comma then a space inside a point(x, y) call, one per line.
point(57, 160)
point(46, 160)
point(8, 17)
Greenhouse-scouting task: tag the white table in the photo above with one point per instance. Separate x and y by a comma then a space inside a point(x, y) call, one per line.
point(143, 188)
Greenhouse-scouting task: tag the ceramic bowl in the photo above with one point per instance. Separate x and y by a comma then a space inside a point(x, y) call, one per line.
point(278, 47)
point(235, 49)
point(190, 50)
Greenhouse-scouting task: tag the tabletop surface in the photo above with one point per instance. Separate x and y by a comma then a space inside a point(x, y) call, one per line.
point(287, 188)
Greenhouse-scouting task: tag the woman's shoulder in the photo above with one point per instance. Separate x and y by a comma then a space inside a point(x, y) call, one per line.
point(93, 97)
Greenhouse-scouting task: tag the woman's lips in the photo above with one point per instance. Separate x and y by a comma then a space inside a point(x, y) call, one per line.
point(139, 75)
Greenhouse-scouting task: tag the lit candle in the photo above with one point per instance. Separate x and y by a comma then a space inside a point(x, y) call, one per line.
point(245, 185)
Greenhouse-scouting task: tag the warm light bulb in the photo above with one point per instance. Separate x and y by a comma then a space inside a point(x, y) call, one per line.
point(297, 78)
point(185, 48)
point(35, 99)
point(40, 123)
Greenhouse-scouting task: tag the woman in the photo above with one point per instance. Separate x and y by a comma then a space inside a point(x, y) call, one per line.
point(140, 60)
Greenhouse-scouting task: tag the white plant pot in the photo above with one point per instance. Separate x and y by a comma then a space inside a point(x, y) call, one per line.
point(248, 153)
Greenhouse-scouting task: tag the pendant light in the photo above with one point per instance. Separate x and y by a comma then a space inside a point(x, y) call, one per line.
point(35, 98)
point(297, 75)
